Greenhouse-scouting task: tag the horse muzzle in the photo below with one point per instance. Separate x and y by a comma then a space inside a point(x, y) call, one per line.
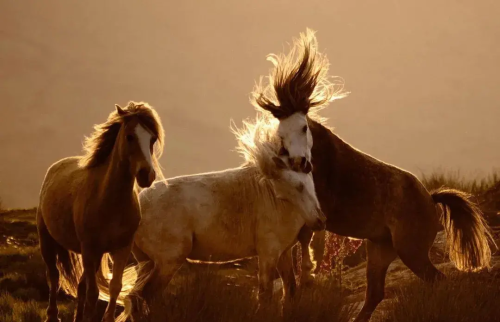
point(146, 177)
point(320, 222)
point(300, 164)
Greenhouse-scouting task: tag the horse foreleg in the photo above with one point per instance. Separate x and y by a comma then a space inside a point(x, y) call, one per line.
point(120, 258)
point(285, 268)
point(307, 266)
point(379, 257)
point(267, 266)
point(80, 297)
point(91, 260)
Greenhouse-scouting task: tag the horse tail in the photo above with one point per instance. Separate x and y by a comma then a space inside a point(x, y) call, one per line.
point(134, 278)
point(466, 229)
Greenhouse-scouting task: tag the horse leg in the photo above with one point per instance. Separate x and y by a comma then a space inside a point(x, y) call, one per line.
point(267, 266)
point(48, 248)
point(412, 246)
point(305, 237)
point(81, 294)
point(120, 258)
point(285, 269)
point(91, 261)
point(380, 256)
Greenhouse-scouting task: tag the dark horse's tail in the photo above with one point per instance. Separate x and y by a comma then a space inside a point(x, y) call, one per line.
point(466, 229)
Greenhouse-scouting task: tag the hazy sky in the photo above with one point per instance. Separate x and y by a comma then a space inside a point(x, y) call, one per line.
point(424, 77)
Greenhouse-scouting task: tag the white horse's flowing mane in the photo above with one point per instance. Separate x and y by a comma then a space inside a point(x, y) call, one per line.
point(258, 142)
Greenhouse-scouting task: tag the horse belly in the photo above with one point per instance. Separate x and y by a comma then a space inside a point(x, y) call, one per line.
point(219, 246)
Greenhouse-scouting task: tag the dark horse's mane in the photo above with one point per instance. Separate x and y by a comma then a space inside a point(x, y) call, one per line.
point(299, 81)
point(99, 145)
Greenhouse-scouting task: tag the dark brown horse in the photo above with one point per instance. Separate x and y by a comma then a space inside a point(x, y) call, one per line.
point(89, 206)
point(365, 198)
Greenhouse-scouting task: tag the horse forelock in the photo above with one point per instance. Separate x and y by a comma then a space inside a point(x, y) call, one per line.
point(99, 145)
point(299, 82)
point(258, 143)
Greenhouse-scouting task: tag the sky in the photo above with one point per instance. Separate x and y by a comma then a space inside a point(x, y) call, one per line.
point(424, 78)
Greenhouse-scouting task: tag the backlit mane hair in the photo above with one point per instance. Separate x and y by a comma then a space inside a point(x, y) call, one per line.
point(258, 143)
point(99, 145)
point(299, 81)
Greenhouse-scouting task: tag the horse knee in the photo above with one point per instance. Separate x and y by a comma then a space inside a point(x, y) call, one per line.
point(115, 288)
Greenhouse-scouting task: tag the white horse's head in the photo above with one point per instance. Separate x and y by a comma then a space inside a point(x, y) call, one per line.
point(298, 188)
point(298, 83)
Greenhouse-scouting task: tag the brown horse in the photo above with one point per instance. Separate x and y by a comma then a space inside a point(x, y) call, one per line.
point(365, 198)
point(89, 206)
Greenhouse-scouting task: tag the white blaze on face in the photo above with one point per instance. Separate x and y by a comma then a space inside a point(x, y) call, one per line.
point(296, 141)
point(144, 139)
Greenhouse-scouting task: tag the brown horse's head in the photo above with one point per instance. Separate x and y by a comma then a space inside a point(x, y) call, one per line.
point(136, 141)
point(298, 86)
point(136, 134)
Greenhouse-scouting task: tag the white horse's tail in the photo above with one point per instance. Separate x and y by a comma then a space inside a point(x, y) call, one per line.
point(135, 277)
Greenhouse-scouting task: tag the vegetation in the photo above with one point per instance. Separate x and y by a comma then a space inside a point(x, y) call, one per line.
point(215, 293)
point(460, 298)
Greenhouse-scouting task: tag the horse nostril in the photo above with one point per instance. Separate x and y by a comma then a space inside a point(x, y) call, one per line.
point(303, 161)
point(143, 173)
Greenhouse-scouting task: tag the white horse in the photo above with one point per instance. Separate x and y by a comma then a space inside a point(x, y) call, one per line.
point(257, 209)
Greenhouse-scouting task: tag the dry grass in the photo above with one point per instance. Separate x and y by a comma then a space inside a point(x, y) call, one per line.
point(460, 298)
point(456, 180)
point(208, 296)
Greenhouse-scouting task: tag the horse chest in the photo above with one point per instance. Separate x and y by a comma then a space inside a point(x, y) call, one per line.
point(111, 230)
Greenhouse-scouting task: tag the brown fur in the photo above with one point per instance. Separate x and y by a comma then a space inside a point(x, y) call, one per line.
point(88, 206)
point(363, 197)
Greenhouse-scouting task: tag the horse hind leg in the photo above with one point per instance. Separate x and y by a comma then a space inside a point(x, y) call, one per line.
point(49, 249)
point(379, 257)
point(413, 245)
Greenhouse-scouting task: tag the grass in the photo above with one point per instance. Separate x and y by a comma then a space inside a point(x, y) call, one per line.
point(460, 298)
point(208, 296)
point(456, 180)
point(214, 294)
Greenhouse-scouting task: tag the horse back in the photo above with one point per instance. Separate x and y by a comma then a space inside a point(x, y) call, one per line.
point(361, 195)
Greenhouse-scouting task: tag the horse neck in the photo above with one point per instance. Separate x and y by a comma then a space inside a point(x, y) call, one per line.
point(117, 181)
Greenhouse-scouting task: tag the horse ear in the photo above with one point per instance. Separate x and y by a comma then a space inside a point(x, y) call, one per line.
point(120, 110)
point(280, 164)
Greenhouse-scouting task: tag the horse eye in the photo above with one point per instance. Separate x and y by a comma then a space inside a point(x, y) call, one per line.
point(283, 151)
point(130, 138)
point(304, 129)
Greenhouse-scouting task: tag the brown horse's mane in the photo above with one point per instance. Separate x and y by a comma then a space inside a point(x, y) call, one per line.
point(299, 81)
point(98, 146)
